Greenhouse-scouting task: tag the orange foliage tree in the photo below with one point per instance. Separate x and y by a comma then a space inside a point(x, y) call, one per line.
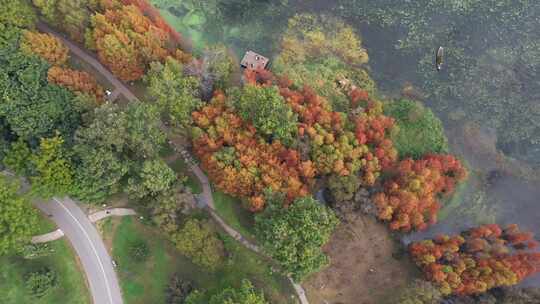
point(45, 46)
point(411, 198)
point(76, 81)
point(127, 41)
point(240, 162)
point(478, 259)
point(334, 148)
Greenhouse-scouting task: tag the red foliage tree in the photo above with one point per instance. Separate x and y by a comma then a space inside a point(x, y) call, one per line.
point(127, 41)
point(411, 198)
point(479, 259)
point(241, 163)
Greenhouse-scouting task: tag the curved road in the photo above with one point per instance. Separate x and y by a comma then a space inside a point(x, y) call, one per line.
point(89, 246)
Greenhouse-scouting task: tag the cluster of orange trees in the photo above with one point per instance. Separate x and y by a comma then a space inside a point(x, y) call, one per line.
point(127, 40)
point(76, 81)
point(478, 259)
point(52, 50)
point(410, 199)
point(240, 162)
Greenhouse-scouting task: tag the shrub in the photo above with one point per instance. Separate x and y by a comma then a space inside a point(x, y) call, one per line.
point(41, 282)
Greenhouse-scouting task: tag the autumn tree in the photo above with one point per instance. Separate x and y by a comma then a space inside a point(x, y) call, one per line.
point(53, 168)
point(175, 94)
point(76, 81)
point(410, 199)
point(127, 41)
point(304, 227)
point(199, 242)
point(478, 259)
point(45, 46)
point(240, 162)
point(18, 219)
point(267, 110)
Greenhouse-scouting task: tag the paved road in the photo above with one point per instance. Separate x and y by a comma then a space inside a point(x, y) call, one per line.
point(89, 246)
point(120, 86)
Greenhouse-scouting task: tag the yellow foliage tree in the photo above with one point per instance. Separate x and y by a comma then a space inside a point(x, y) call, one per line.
point(45, 46)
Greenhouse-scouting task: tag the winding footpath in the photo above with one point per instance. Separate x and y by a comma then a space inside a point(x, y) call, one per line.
point(206, 196)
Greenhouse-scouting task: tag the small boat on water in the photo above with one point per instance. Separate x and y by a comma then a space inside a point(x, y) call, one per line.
point(439, 58)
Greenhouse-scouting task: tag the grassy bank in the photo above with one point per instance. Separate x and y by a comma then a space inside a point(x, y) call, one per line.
point(71, 288)
point(231, 210)
point(146, 282)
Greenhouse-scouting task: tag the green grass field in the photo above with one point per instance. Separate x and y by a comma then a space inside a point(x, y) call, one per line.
point(231, 210)
point(72, 286)
point(146, 282)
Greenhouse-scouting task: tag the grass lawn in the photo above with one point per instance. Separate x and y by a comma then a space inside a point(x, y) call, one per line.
point(72, 286)
point(179, 166)
point(231, 210)
point(45, 225)
point(146, 282)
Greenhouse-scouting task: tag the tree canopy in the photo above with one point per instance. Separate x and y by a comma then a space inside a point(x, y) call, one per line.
point(267, 110)
point(293, 236)
point(418, 122)
point(18, 219)
point(17, 13)
point(175, 94)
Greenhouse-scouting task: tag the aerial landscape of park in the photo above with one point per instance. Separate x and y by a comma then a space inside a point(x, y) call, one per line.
point(269, 152)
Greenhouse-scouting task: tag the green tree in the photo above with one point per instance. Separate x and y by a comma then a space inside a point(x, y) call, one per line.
point(112, 146)
point(154, 178)
point(221, 66)
point(418, 122)
point(18, 158)
point(342, 191)
point(168, 208)
point(246, 294)
point(267, 110)
point(31, 106)
point(199, 242)
point(174, 93)
point(18, 13)
point(294, 236)
point(419, 292)
point(54, 175)
point(98, 173)
point(18, 219)
point(41, 282)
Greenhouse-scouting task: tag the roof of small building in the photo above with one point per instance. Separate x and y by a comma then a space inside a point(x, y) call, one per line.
point(254, 61)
